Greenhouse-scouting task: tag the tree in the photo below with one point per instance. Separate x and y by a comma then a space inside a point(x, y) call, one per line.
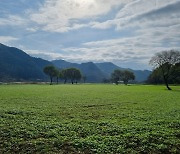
point(124, 76)
point(165, 60)
point(175, 74)
point(72, 74)
point(58, 75)
point(84, 78)
point(127, 75)
point(50, 71)
point(106, 80)
point(116, 76)
point(77, 75)
point(156, 76)
point(64, 75)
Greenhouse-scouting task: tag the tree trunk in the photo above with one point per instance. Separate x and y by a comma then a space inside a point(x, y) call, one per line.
point(166, 83)
point(57, 80)
point(165, 79)
point(126, 82)
point(51, 80)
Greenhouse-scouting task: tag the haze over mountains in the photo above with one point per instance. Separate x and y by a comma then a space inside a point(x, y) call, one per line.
point(16, 65)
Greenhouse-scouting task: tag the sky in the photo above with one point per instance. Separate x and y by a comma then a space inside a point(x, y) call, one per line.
point(125, 32)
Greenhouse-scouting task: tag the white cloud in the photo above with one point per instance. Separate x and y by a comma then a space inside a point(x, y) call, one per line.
point(143, 13)
point(32, 29)
point(49, 55)
point(139, 7)
point(12, 20)
point(7, 39)
point(135, 50)
point(154, 26)
point(64, 15)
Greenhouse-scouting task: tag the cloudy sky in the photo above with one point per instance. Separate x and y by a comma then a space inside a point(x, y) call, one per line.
point(125, 32)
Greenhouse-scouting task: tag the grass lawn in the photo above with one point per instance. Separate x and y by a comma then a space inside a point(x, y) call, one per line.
point(89, 119)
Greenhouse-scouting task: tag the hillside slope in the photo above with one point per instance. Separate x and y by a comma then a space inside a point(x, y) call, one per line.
point(109, 67)
point(16, 65)
point(96, 72)
point(90, 70)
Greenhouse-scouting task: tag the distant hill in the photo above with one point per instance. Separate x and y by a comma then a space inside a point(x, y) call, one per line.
point(90, 70)
point(16, 65)
point(96, 72)
point(109, 67)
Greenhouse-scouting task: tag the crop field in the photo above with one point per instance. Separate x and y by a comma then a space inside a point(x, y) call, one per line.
point(89, 119)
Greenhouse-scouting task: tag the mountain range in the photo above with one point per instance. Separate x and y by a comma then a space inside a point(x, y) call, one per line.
point(16, 65)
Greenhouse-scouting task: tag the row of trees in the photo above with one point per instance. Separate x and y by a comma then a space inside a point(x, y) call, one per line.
point(166, 70)
point(72, 74)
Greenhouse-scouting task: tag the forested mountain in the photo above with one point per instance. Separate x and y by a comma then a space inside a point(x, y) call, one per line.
point(96, 72)
point(109, 67)
point(16, 65)
point(90, 70)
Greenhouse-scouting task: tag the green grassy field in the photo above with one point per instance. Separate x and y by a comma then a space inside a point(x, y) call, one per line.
point(89, 119)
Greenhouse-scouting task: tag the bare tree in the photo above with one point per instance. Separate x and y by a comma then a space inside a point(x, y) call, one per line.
point(165, 60)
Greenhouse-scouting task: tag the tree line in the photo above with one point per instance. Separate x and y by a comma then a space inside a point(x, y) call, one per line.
point(166, 70)
point(72, 74)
